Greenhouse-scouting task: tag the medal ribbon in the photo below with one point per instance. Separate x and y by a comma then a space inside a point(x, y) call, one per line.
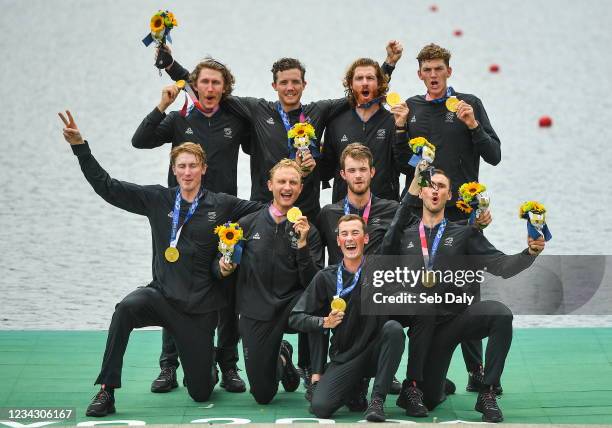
point(340, 290)
point(190, 95)
point(429, 260)
point(303, 119)
point(369, 104)
point(449, 93)
point(175, 234)
point(366, 211)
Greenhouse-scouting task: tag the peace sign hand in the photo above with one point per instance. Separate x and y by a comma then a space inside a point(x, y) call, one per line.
point(71, 130)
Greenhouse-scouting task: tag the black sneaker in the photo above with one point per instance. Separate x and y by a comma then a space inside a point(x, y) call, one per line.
point(411, 399)
point(291, 377)
point(166, 381)
point(449, 387)
point(103, 404)
point(475, 382)
point(357, 401)
point(306, 375)
point(231, 381)
point(376, 411)
point(486, 403)
point(396, 387)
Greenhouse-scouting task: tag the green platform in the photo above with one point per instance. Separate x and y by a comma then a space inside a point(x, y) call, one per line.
point(552, 376)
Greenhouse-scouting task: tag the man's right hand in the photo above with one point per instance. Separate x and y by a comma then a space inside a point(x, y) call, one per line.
point(169, 94)
point(71, 130)
point(333, 319)
point(226, 268)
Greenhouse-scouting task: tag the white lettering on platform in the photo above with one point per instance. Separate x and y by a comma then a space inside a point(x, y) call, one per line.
point(32, 425)
point(232, 421)
point(313, 420)
point(128, 422)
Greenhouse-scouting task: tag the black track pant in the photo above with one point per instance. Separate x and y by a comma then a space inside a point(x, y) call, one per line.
point(227, 333)
point(261, 341)
point(193, 333)
point(420, 333)
point(471, 349)
point(482, 319)
point(379, 360)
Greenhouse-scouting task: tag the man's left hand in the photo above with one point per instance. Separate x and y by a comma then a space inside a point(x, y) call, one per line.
point(536, 246)
point(484, 219)
point(394, 52)
point(465, 113)
point(301, 228)
point(305, 161)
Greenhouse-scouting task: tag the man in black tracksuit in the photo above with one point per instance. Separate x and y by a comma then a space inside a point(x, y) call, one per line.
point(456, 323)
point(368, 123)
point(461, 139)
point(270, 143)
point(361, 346)
point(220, 134)
point(279, 260)
point(184, 297)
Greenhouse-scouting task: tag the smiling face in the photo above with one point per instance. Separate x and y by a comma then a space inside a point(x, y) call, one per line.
point(289, 85)
point(352, 239)
point(434, 73)
point(209, 87)
point(435, 196)
point(364, 84)
point(358, 175)
point(188, 170)
point(286, 186)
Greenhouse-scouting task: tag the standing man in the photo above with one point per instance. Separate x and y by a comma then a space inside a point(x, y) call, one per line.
point(368, 123)
point(220, 133)
point(362, 346)
point(281, 255)
point(183, 297)
point(461, 139)
point(456, 323)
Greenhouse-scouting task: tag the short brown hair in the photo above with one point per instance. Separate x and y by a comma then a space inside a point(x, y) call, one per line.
point(191, 148)
point(356, 151)
point(433, 51)
point(286, 163)
point(285, 64)
point(442, 172)
point(383, 79)
point(351, 217)
point(212, 64)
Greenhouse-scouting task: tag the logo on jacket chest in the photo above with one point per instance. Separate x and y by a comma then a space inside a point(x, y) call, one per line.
point(227, 132)
point(381, 134)
point(189, 131)
point(448, 242)
point(413, 120)
point(344, 139)
point(450, 117)
point(212, 216)
point(270, 121)
point(410, 245)
point(256, 236)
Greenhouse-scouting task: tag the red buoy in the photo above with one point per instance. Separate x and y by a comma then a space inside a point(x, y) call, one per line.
point(458, 33)
point(494, 68)
point(545, 122)
point(433, 8)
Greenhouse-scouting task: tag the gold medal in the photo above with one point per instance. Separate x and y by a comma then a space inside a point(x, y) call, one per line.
point(180, 84)
point(393, 99)
point(451, 104)
point(293, 214)
point(429, 279)
point(338, 304)
point(171, 254)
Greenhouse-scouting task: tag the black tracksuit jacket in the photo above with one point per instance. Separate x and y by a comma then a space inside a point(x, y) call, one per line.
point(187, 283)
point(220, 136)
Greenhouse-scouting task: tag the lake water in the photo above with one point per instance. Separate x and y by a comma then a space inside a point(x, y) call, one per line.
point(68, 257)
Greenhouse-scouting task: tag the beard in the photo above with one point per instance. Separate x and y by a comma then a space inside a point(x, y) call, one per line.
point(359, 192)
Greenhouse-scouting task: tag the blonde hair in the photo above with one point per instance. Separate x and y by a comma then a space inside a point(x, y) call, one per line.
point(286, 163)
point(191, 148)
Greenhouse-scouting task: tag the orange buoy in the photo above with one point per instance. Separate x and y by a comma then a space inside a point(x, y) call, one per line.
point(545, 122)
point(458, 33)
point(433, 8)
point(494, 68)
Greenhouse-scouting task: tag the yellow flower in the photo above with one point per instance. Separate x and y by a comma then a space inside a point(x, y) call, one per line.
point(231, 234)
point(157, 23)
point(463, 206)
point(417, 142)
point(300, 130)
point(533, 206)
